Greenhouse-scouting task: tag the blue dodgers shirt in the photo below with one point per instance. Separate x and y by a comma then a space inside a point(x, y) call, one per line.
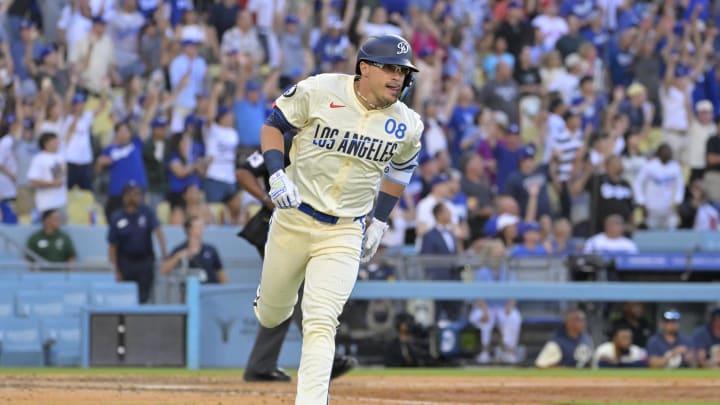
point(657, 346)
point(127, 165)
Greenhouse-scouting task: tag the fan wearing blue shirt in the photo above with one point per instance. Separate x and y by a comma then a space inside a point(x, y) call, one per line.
point(250, 113)
point(461, 121)
point(124, 160)
point(669, 348)
point(184, 166)
point(532, 242)
point(706, 342)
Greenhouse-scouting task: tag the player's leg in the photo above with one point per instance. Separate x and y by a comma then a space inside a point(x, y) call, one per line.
point(286, 254)
point(485, 321)
point(510, 325)
point(329, 280)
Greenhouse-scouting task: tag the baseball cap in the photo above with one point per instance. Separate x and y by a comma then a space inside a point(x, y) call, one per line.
point(78, 98)
point(191, 121)
point(505, 220)
point(573, 60)
point(291, 19)
point(528, 151)
point(528, 227)
point(158, 122)
point(513, 129)
point(45, 51)
point(681, 71)
point(440, 178)
point(25, 24)
point(98, 19)
point(423, 158)
point(671, 315)
point(515, 4)
point(28, 123)
point(131, 185)
point(222, 110)
point(425, 51)
point(704, 105)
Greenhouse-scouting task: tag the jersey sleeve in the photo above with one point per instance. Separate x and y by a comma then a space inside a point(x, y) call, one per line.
point(403, 163)
point(294, 103)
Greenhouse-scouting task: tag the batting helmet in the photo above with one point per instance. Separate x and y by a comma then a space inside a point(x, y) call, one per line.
point(388, 50)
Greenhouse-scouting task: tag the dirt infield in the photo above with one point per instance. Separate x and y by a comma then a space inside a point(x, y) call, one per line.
point(117, 389)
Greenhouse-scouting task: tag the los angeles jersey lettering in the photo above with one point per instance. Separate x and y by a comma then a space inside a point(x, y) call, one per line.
point(341, 149)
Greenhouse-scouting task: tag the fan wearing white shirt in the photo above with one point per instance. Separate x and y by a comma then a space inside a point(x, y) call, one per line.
point(76, 143)
point(378, 23)
point(48, 174)
point(221, 148)
point(612, 240)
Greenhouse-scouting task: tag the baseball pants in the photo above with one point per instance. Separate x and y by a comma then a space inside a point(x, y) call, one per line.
point(509, 325)
point(327, 257)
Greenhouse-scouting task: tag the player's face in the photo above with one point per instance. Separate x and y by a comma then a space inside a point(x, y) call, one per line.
point(386, 82)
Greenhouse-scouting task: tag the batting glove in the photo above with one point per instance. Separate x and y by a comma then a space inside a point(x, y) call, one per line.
point(373, 235)
point(283, 192)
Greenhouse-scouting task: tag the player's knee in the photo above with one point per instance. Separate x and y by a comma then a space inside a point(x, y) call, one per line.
point(272, 317)
point(320, 325)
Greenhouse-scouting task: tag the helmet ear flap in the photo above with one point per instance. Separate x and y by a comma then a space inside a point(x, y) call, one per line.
point(408, 84)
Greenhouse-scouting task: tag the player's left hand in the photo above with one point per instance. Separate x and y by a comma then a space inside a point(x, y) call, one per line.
point(373, 235)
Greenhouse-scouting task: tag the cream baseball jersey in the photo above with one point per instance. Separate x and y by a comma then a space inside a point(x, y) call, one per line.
point(341, 148)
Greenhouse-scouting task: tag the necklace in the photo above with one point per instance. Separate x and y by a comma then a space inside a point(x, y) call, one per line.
point(371, 105)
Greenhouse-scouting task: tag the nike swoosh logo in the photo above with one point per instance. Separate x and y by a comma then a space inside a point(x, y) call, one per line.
point(333, 105)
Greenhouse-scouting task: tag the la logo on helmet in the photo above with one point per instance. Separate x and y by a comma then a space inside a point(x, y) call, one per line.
point(403, 47)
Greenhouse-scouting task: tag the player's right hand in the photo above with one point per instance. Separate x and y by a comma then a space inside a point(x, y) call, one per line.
point(283, 192)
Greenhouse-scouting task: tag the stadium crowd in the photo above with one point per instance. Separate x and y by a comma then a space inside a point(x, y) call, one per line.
point(545, 120)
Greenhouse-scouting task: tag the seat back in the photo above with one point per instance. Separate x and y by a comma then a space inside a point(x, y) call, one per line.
point(117, 295)
point(38, 303)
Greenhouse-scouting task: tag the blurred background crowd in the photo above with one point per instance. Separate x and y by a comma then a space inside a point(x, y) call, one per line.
point(545, 120)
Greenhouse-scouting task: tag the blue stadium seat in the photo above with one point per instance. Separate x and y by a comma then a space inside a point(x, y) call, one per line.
point(61, 338)
point(75, 298)
point(40, 277)
point(667, 241)
point(38, 303)
point(7, 303)
point(710, 241)
point(116, 295)
point(20, 343)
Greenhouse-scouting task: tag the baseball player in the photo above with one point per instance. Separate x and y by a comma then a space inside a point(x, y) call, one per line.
point(262, 364)
point(351, 135)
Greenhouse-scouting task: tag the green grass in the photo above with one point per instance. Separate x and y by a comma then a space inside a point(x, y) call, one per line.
point(390, 372)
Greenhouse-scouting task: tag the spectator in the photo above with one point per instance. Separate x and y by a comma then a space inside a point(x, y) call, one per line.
point(48, 175)
point(561, 242)
point(440, 192)
point(407, 349)
point(515, 29)
point(555, 128)
point(706, 342)
point(571, 346)
point(193, 253)
point(51, 66)
point(220, 147)
point(697, 211)
point(332, 45)
point(153, 154)
point(124, 160)
point(94, 57)
point(676, 107)
point(50, 243)
point(153, 46)
point(75, 23)
point(25, 51)
point(527, 76)
point(292, 67)
point(633, 160)
point(486, 314)
point(441, 240)
point(25, 148)
point(191, 204)
point(249, 111)
point(711, 177)
point(244, 38)
point(589, 106)
point(232, 210)
point(223, 16)
point(125, 28)
point(570, 42)
point(532, 244)
point(701, 129)
point(130, 245)
point(187, 74)
point(502, 93)
point(612, 194)
point(620, 352)
point(379, 23)
point(499, 55)
point(621, 58)
point(77, 141)
point(461, 120)
point(611, 241)
point(479, 194)
point(508, 153)
point(566, 158)
point(659, 189)
point(8, 172)
point(567, 81)
point(638, 109)
point(184, 166)
point(528, 175)
point(633, 317)
point(669, 348)
point(550, 25)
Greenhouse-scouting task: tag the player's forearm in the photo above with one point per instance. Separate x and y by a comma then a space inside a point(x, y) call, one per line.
point(390, 193)
point(272, 145)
